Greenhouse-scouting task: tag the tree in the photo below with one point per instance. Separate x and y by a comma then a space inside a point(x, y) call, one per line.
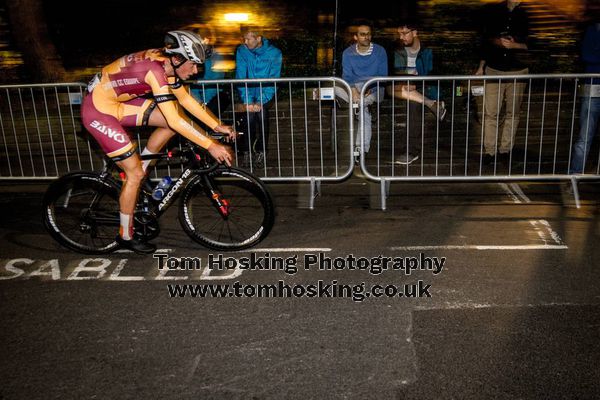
point(30, 32)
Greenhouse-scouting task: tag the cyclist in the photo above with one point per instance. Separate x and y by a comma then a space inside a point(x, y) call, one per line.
point(145, 88)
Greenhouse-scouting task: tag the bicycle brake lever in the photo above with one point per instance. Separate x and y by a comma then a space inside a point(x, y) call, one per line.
point(218, 136)
point(221, 137)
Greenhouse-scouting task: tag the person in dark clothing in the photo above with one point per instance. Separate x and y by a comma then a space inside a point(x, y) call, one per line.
point(503, 52)
point(590, 100)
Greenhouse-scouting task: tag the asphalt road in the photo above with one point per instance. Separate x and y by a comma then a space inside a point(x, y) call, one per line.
point(513, 312)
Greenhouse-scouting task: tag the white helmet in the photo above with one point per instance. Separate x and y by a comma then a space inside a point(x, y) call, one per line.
point(188, 44)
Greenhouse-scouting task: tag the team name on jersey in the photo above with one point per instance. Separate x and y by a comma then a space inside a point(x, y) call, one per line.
point(111, 133)
point(123, 82)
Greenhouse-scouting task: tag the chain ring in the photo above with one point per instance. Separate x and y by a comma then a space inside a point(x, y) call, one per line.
point(146, 225)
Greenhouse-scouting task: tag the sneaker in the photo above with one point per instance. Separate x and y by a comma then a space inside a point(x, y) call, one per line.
point(441, 112)
point(405, 159)
point(259, 159)
point(135, 245)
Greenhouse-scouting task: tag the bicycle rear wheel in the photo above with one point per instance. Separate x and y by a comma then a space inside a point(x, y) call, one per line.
point(244, 217)
point(81, 212)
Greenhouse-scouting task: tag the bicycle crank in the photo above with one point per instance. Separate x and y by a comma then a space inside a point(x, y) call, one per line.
point(146, 225)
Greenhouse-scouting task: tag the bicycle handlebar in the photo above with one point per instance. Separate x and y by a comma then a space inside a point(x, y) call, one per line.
point(189, 154)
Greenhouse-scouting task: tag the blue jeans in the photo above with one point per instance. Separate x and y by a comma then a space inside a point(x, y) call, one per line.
point(588, 119)
point(376, 95)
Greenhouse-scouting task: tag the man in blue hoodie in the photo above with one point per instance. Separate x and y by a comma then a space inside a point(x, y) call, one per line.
point(362, 61)
point(255, 59)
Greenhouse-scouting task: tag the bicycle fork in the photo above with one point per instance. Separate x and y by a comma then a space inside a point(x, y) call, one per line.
point(220, 203)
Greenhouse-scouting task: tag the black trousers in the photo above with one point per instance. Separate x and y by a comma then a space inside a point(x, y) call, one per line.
point(218, 104)
point(255, 126)
point(414, 126)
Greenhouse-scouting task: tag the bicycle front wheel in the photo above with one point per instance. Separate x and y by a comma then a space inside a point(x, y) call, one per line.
point(81, 212)
point(230, 210)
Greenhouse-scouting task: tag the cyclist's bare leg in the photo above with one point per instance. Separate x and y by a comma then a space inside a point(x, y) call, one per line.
point(162, 134)
point(158, 138)
point(134, 174)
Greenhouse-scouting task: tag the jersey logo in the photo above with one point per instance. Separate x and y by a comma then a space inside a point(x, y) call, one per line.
point(111, 133)
point(161, 98)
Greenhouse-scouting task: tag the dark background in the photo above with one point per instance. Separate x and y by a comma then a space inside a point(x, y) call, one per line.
point(87, 35)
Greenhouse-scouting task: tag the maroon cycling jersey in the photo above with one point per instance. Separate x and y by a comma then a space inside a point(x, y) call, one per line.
point(115, 102)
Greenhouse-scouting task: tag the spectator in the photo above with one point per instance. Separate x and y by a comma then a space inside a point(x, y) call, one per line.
point(414, 59)
point(504, 47)
point(362, 61)
point(590, 102)
point(257, 58)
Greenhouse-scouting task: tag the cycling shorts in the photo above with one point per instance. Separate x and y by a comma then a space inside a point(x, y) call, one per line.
point(108, 129)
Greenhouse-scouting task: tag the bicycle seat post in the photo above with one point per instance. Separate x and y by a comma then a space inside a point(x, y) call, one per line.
point(108, 165)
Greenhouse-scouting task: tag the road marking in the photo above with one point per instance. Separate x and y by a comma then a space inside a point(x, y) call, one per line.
point(190, 375)
point(540, 226)
point(458, 305)
point(519, 192)
point(157, 251)
point(482, 247)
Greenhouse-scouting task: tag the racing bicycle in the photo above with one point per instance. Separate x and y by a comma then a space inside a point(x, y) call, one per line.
point(221, 208)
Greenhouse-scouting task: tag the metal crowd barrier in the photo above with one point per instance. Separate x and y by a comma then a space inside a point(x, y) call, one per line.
point(307, 134)
point(311, 130)
point(42, 136)
point(41, 131)
point(546, 127)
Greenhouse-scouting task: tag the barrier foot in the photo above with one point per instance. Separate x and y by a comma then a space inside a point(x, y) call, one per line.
point(315, 190)
point(385, 190)
point(575, 192)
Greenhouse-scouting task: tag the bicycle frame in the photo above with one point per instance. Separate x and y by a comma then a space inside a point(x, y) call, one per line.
point(191, 161)
point(205, 185)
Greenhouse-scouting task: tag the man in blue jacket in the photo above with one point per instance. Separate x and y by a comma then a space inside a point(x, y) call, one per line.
point(257, 58)
point(362, 61)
